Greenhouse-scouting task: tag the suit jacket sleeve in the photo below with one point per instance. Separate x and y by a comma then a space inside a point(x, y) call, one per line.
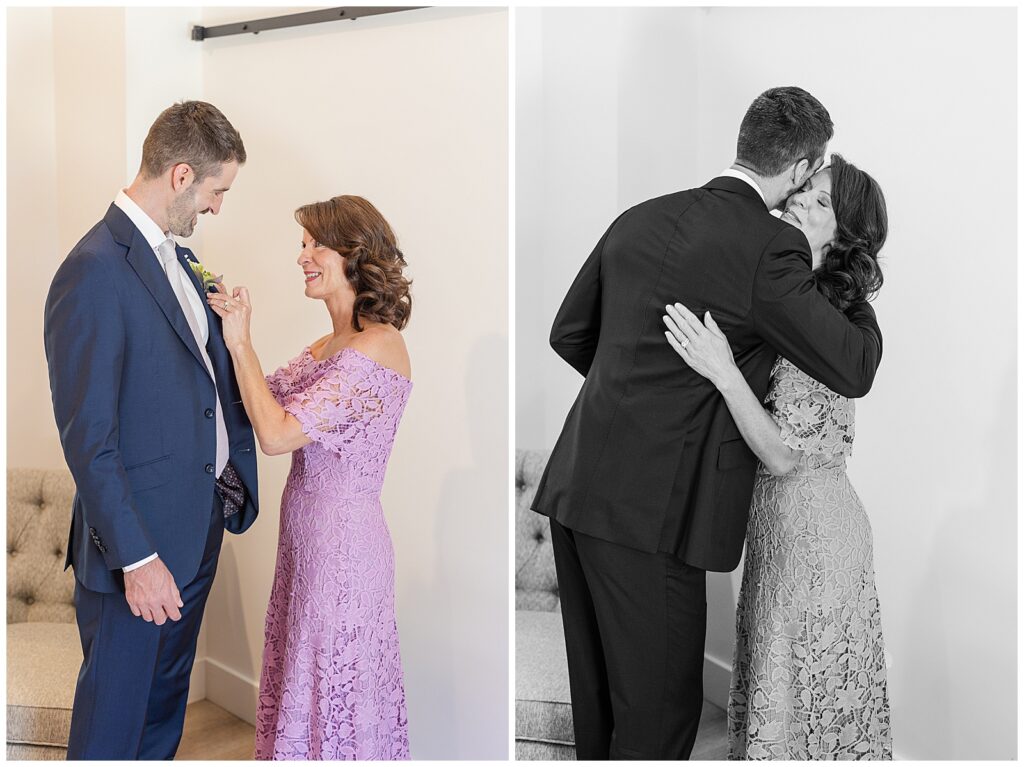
point(577, 325)
point(791, 315)
point(84, 335)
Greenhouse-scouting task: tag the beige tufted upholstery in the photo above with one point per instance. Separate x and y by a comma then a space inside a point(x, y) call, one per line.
point(43, 648)
point(543, 714)
point(38, 519)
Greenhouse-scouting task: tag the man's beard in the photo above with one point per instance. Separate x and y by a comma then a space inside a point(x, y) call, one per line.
point(182, 216)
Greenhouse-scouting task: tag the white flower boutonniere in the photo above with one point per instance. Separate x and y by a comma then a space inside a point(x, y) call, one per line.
point(207, 277)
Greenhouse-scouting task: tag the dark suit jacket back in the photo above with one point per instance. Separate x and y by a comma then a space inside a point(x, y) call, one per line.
point(649, 456)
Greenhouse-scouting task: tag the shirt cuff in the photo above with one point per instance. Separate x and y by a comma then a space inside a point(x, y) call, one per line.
point(140, 563)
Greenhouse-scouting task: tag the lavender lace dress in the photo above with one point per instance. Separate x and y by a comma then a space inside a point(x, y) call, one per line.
point(331, 686)
point(809, 676)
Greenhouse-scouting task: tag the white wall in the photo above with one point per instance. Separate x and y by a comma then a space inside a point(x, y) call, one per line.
point(408, 110)
point(48, 208)
point(596, 132)
point(935, 460)
point(158, 35)
point(31, 246)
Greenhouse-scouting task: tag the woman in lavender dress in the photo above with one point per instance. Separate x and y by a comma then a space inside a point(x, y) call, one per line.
point(808, 677)
point(331, 686)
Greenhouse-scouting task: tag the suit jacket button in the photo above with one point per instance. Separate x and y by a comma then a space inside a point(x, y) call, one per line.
point(209, 412)
point(209, 468)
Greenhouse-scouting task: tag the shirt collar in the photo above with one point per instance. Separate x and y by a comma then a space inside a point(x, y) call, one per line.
point(732, 173)
point(142, 221)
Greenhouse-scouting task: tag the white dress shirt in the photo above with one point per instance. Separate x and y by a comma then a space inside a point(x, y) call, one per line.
point(732, 173)
point(155, 237)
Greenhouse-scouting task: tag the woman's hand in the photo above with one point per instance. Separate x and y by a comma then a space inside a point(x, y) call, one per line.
point(235, 310)
point(703, 347)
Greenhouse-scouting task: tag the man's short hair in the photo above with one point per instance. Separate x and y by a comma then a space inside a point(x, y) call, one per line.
point(192, 132)
point(782, 126)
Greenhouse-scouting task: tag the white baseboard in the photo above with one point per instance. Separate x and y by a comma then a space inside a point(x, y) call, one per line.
point(197, 682)
point(231, 690)
point(717, 677)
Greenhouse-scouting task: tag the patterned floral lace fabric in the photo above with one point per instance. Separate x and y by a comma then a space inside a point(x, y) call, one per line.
point(331, 686)
point(809, 678)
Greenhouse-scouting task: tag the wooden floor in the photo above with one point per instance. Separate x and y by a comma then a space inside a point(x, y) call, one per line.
point(213, 733)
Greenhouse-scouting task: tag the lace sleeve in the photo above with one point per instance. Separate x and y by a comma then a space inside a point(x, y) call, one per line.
point(282, 381)
point(277, 382)
point(351, 405)
point(813, 419)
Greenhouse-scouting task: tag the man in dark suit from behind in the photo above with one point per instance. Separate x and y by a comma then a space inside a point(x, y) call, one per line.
point(649, 484)
point(155, 436)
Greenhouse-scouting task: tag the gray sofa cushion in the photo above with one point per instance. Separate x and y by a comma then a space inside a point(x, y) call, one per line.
point(543, 711)
point(536, 585)
point(533, 751)
point(43, 660)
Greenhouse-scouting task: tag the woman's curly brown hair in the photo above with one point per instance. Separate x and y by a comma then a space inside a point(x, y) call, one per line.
point(849, 271)
point(353, 227)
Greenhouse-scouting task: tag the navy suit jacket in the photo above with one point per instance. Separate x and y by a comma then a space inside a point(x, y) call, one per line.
point(134, 403)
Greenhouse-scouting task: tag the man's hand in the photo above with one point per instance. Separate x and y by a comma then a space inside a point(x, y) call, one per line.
point(151, 593)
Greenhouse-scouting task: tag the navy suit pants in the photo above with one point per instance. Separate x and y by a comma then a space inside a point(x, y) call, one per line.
point(133, 687)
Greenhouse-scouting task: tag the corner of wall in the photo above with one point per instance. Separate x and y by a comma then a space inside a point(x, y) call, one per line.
point(231, 691)
point(717, 678)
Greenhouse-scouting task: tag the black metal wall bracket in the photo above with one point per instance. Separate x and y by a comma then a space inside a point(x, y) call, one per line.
point(296, 20)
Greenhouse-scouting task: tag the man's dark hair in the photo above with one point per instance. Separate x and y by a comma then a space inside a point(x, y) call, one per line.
point(192, 132)
point(782, 126)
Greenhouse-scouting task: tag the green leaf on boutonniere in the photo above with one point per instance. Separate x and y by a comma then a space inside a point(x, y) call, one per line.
point(208, 278)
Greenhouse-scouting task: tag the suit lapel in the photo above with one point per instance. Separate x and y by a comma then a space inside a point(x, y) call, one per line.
point(186, 259)
point(219, 357)
point(144, 262)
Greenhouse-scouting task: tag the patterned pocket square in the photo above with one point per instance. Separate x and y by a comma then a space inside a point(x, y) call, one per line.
point(231, 490)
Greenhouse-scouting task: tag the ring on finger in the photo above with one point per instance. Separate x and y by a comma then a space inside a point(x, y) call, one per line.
point(684, 342)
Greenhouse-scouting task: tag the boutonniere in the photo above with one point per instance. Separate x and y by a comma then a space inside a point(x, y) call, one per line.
point(207, 277)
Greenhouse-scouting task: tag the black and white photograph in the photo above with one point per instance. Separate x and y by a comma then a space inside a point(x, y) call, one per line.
point(765, 369)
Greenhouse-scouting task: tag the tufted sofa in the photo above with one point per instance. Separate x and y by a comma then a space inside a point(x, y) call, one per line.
point(43, 649)
point(543, 713)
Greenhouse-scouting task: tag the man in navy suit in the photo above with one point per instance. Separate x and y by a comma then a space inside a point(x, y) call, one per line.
point(153, 430)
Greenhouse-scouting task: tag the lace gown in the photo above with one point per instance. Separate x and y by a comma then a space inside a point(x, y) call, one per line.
point(331, 686)
point(809, 676)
